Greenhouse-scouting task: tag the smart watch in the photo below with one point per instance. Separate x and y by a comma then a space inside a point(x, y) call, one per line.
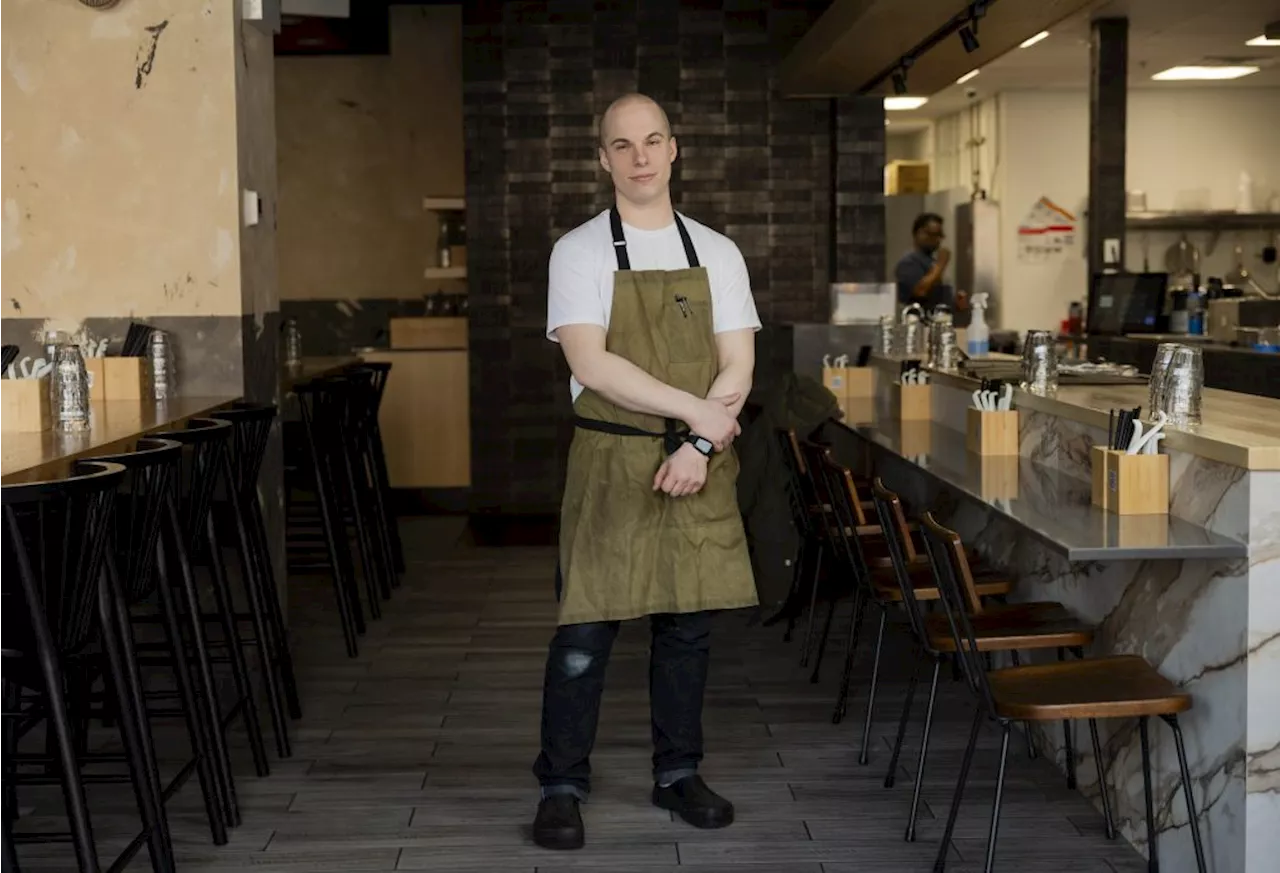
point(702, 444)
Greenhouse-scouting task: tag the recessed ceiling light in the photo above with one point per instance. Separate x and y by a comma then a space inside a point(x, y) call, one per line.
point(1262, 40)
point(967, 76)
point(1181, 74)
point(898, 103)
point(1030, 41)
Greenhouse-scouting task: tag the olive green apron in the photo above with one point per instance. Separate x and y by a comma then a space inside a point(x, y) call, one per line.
point(627, 550)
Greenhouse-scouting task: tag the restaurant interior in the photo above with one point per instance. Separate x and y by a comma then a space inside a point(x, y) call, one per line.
point(284, 439)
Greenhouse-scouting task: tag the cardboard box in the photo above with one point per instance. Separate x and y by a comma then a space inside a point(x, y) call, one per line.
point(906, 177)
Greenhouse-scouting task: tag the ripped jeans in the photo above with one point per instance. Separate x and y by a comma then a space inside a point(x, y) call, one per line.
point(576, 662)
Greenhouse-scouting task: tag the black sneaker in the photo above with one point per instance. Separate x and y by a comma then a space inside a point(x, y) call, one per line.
point(693, 801)
point(558, 824)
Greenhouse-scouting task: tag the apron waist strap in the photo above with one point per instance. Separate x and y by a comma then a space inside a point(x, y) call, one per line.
point(672, 438)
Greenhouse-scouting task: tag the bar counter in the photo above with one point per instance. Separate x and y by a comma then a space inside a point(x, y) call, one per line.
point(1195, 591)
point(113, 426)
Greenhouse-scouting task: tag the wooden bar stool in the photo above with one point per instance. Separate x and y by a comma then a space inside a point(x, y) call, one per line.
point(1118, 686)
point(878, 585)
point(997, 627)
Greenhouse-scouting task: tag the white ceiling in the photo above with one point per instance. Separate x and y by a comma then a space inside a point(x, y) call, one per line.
point(1162, 34)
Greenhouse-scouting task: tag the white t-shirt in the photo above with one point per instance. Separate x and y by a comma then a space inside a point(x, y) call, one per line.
point(580, 281)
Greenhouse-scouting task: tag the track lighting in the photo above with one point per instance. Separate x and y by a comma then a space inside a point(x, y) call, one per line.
point(969, 38)
point(900, 81)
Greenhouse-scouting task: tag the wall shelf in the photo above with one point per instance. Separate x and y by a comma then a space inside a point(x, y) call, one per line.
point(1202, 220)
point(444, 204)
point(445, 273)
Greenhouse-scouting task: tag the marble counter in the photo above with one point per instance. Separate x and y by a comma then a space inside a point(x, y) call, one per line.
point(1208, 621)
point(1241, 430)
point(1050, 504)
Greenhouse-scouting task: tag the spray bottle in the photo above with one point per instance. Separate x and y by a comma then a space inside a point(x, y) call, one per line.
point(979, 336)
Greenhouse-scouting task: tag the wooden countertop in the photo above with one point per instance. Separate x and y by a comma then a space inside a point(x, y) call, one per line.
point(113, 425)
point(1238, 429)
point(313, 367)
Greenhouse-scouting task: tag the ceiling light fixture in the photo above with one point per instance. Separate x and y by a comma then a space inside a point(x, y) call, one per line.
point(900, 81)
point(967, 76)
point(1263, 40)
point(969, 39)
point(1032, 40)
point(1194, 73)
point(898, 104)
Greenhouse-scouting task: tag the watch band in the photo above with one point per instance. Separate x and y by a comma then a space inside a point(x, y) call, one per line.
point(702, 444)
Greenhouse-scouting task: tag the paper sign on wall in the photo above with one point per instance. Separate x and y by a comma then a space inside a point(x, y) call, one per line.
point(1047, 233)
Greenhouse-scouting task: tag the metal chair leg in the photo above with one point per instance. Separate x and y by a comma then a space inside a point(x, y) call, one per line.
point(1102, 779)
point(891, 774)
point(850, 654)
point(1153, 858)
point(822, 643)
point(940, 863)
point(1068, 740)
point(1172, 721)
point(813, 608)
point(995, 806)
point(924, 752)
point(871, 695)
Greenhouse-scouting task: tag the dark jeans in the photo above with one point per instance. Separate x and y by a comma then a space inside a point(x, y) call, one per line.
point(576, 663)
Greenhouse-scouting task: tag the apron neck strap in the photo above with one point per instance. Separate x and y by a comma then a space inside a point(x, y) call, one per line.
point(620, 241)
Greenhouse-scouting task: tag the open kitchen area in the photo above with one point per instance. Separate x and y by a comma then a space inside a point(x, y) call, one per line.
point(285, 441)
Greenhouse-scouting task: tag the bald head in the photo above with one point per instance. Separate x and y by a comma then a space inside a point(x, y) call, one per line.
point(636, 109)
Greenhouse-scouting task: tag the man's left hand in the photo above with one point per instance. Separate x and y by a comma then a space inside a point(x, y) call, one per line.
point(684, 472)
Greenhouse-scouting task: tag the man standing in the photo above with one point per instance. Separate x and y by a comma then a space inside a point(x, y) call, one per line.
point(654, 314)
point(919, 273)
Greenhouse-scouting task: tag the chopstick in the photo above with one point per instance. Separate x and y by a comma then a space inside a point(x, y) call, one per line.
point(135, 341)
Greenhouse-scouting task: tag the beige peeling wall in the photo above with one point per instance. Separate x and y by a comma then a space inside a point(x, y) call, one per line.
point(119, 159)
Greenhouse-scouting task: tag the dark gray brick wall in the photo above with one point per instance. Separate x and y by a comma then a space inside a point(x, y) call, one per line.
point(752, 165)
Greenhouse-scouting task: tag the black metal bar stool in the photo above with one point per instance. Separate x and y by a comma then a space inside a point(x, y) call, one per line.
point(61, 600)
point(143, 520)
point(204, 470)
point(251, 431)
point(366, 495)
point(381, 371)
point(320, 414)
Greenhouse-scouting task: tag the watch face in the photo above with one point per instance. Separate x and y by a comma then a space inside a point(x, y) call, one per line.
point(703, 445)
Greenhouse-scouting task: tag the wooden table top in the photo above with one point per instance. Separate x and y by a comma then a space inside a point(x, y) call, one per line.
point(113, 425)
point(313, 367)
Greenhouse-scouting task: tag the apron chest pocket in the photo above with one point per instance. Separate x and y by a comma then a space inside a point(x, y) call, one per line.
point(686, 325)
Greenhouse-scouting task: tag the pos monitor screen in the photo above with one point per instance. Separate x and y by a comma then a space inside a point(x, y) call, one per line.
point(1121, 303)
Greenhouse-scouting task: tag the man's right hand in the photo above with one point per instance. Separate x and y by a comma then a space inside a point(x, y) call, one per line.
point(713, 420)
point(944, 256)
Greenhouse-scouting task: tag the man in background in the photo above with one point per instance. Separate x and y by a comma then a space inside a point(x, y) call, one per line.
point(919, 273)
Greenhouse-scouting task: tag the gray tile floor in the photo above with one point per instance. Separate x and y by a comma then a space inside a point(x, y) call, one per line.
point(416, 756)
